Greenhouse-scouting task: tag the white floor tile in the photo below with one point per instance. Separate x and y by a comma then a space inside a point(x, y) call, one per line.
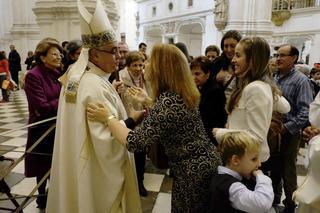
point(16, 133)
point(9, 114)
point(11, 126)
point(5, 110)
point(300, 160)
point(15, 142)
point(16, 153)
point(19, 168)
point(153, 182)
point(7, 106)
point(163, 203)
point(31, 208)
point(25, 113)
point(24, 187)
point(301, 179)
point(10, 119)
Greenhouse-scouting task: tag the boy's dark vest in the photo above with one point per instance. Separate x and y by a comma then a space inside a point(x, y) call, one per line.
point(219, 194)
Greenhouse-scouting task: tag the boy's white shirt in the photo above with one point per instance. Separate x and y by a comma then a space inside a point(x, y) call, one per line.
point(241, 198)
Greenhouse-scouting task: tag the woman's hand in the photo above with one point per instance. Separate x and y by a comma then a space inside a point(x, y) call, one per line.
point(118, 85)
point(136, 115)
point(98, 112)
point(214, 131)
point(221, 76)
point(139, 95)
point(310, 132)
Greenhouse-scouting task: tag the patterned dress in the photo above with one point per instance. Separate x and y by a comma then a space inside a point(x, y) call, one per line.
point(192, 157)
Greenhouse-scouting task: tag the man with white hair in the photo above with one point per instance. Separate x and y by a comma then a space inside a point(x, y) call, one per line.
point(91, 172)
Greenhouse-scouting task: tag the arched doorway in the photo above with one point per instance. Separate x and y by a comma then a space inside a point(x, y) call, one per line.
point(152, 36)
point(191, 35)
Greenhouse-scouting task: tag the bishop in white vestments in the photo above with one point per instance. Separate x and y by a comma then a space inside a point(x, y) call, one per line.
point(91, 172)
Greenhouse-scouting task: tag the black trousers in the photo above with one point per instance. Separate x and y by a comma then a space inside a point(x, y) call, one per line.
point(140, 160)
point(4, 92)
point(288, 164)
point(42, 197)
point(15, 77)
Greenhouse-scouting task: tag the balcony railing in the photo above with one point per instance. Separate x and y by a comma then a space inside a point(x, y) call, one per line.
point(297, 4)
point(281, 5)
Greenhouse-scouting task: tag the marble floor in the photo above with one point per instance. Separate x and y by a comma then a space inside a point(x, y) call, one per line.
point(14, 115)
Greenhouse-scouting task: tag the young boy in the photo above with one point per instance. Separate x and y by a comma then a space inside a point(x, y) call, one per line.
point(240, 158)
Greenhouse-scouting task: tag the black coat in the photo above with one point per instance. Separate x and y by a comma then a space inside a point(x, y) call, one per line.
point(212, 107)
point(14, 61)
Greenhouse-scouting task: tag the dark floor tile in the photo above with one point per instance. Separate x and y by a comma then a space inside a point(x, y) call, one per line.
point(23, 121)
point(24, 135)
point(148, 202)
point(301, 170)
point(5, 202)
point(166, 185)
point(3, 130)
point(4, 149)
point(14, 178)
point(150, 168)
point(4, 138)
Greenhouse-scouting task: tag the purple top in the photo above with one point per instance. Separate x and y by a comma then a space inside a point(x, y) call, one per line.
point(42, 89)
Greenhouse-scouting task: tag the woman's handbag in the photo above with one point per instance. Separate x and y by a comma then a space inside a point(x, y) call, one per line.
point(157, 156)
point(8, 84)
point(5, 84)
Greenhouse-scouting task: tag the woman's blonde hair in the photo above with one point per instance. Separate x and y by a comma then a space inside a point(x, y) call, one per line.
point(169, 71)
point(237, 143)
point(257, 52)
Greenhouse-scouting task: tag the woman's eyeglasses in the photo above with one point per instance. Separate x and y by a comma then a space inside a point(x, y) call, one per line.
point(56, 55)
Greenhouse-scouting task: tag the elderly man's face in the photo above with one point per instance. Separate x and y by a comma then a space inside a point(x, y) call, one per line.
point(285, 61)
point(123, 51)
point(107, 57)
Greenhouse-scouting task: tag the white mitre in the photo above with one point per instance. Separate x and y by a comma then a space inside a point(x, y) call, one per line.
point(96, 31)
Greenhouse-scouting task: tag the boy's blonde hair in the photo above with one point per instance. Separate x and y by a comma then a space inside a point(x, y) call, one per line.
point(237, 143)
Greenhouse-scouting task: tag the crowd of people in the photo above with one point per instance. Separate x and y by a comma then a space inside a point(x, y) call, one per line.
point(230, 124)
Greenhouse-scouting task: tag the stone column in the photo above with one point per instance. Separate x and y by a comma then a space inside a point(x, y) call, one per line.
point(24, 30)
point(315, 50)
point(250, 17)
point(60, 18)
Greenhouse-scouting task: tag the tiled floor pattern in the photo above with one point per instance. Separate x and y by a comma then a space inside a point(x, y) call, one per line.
point(15, 114)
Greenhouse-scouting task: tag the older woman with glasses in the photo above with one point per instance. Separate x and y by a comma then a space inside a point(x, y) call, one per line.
point(42, 89)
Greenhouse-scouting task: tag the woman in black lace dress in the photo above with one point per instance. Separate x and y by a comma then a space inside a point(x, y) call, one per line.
point(175, 122)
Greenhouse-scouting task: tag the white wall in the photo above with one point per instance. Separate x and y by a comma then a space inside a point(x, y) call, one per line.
point(201, 13)
point(303, 25)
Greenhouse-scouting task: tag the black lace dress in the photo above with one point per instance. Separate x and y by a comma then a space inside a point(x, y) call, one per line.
point(192, 157)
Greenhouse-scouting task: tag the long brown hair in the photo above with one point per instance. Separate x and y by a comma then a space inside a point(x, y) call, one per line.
point(169, 71)
point(257, 53)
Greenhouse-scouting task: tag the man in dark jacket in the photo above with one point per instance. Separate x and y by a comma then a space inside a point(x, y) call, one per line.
point(14, 64)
